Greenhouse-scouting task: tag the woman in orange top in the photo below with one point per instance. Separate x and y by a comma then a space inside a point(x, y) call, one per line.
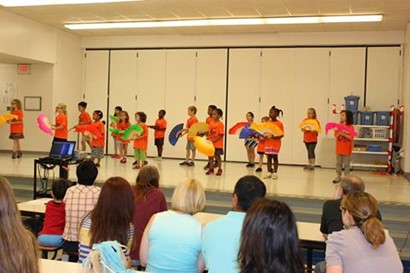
point(140, 142)
point(310, 139)
point(273, 144)
point(16, 127)
point(97, 144)
point(216, 135)
point(344, 145)
point(123, 125)
point(60, 127)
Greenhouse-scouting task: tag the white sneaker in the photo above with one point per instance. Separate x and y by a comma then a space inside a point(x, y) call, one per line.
point(267, 176)
point(274, 176)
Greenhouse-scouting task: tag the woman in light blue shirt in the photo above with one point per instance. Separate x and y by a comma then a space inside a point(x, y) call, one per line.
point(172, 239)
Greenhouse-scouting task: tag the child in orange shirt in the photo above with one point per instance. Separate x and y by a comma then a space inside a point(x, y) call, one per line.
point(113, 124)
point(261, 148)
point(216, 135)
point(159, 132)
point(310, 140)
point(190, 148)
point(211, 109)
point(344, 145)
point(273, 144)
point(209, 119)
point(122, 125)
point(97, 144)
point(140, 142)
point(61, 123)
point(16, 128)
point(84, 118)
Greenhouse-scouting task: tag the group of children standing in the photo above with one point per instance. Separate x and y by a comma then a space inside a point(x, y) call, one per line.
point(268, 144)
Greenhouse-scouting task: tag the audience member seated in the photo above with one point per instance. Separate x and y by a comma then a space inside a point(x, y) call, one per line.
point(79, 200)
point(172, 239)
point(363, 246)
point(54, 220)
point(220, 238)
point(111, 219)
point(269, 239)
point(18, 247)
point(148, 200)
point(331, 217)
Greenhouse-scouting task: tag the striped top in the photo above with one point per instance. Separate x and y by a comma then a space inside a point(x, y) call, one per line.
point(84, 237)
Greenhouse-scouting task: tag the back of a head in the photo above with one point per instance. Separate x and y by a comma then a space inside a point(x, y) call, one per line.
point(363, 207)
point(188, 197)
point(13, 236)
point(351, 183)
point(248, 189)
point(110, 220)
point(147, 179)
point(87, 173)
point(269, 239)
point(59, 188)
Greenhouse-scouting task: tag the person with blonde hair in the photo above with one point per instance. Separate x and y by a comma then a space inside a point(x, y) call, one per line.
point(363, 246)
point(172, 239)
point(18, 247)
point(61, 123)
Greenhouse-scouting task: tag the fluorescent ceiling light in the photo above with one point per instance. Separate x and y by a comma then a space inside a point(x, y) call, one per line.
point(230, 22)
point(23, 3)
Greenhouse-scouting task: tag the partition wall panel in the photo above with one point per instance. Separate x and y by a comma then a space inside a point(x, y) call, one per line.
point(347, 77)
point(383, 77)
point(278, 89)
point(243, 95)
point(179, 95)
point(96, 80)
point(312, 90)
point(150, 90)
point(210, 82)
point(123, 86)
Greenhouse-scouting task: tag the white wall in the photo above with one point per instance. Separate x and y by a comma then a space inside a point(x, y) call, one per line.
point(38, 83)
point(56, 74)
point(26, 38)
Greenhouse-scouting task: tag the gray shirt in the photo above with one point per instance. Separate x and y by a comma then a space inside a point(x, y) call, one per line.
point(349, 249)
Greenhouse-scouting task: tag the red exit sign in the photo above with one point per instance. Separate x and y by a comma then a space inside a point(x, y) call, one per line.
point(23, 68)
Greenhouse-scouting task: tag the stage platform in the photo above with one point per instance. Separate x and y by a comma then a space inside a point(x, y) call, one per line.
point(293, 181)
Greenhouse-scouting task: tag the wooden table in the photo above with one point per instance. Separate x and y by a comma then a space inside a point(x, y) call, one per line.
point(33, 207)
point(309, 235)
point(53, 266)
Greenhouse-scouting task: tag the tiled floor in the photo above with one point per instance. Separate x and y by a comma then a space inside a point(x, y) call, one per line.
point(293, 180)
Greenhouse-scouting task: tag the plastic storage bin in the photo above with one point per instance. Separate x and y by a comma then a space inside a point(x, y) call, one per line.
point(383, 118)
point(366, 118)
point(374, 148)
point(352, 103)
point(379, 133)
point(355, 117)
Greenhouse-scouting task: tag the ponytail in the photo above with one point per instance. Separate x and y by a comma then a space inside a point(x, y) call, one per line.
point(363, 209)
point(373, 231)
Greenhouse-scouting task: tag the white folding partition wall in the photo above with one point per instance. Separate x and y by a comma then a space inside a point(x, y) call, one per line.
point(243, 95)
point(383, 77)
point(150, 95)
point(292, 79)
point(347, 77)
point(311, 90)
